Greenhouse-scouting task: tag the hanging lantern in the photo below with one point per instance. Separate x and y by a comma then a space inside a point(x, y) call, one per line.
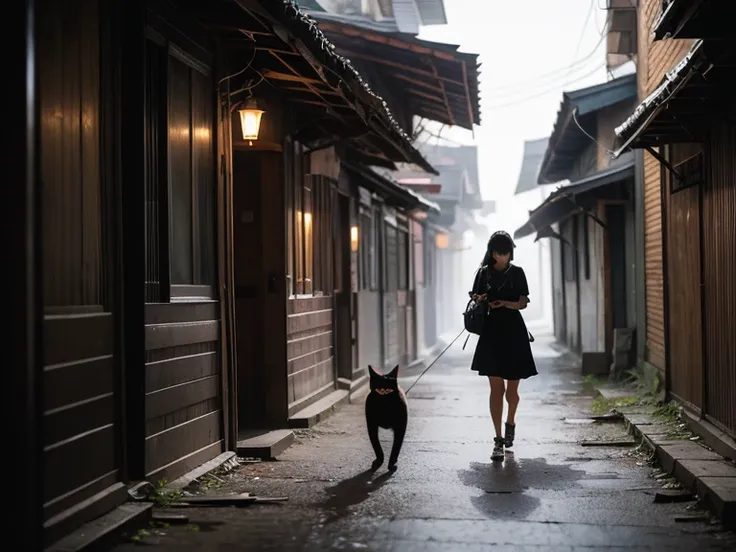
point(250, 120)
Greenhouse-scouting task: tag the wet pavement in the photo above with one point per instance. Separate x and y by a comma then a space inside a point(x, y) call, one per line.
point(551, 494)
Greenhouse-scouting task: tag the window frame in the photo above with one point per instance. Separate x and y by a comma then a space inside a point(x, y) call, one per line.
point(164, 290)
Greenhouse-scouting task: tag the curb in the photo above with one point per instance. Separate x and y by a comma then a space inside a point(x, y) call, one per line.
point(698, 469)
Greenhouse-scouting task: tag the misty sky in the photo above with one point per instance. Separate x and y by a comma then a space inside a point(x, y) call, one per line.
point(525, 47)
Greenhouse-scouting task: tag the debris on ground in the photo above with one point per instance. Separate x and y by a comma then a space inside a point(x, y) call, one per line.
point(241, 499)
point(612, 416)
point(169, 517)
point(692, 518)
point(669, 496)
point(619, 443)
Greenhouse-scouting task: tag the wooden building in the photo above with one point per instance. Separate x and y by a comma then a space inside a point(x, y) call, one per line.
point(685, 123)
point(185, 274)
point(420, 81)
point(593, 219)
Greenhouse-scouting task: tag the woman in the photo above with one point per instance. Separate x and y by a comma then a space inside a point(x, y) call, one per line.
point(503, 353)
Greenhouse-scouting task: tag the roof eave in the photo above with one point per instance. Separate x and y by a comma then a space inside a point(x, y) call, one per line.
point(315, 44)
point(635, 125)
point(675, 17)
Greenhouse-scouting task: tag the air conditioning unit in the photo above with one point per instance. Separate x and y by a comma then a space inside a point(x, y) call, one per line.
point(622, 29)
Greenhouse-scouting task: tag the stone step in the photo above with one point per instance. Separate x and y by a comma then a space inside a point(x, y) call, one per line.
point(320, 410)
point(102, 532)
point(264, 444)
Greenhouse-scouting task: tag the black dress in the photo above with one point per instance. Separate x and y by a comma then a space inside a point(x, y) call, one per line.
point(503, 348)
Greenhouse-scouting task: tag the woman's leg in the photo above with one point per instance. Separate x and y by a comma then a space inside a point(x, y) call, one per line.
point(512, 397)
point(496, 403)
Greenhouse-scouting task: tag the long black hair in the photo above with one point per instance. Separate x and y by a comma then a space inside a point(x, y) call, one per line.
point(501, 243)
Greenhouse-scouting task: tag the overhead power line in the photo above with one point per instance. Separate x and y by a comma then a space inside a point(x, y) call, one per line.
point(543, 92)
point(559, 75)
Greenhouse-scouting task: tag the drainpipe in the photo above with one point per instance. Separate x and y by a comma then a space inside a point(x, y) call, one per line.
point(640, 290)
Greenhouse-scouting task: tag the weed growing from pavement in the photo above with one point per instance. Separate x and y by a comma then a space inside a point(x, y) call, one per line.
point(601, 405)
point(668, 412)
point(162, 497)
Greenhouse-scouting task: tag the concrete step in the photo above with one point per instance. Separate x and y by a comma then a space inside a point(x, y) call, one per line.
point(320, 410)
point(697, 468)
point(264, 444)
point(102, 533)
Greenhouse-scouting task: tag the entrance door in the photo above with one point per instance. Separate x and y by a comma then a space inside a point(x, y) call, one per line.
point(343, 292)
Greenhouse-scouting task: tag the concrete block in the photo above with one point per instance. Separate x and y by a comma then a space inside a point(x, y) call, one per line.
point(320, 410)
point(669, 455)
point(720, 494)
point(266, 445)
point(688, 472)
point(595, 364)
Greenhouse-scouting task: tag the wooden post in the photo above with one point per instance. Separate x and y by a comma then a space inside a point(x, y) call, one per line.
point(131, 36)
point(21, 222)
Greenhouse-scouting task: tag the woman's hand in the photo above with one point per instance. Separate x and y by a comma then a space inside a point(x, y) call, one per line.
point(479, 298)
point(498, 304)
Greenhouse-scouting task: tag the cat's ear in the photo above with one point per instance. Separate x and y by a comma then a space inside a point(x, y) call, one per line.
point(394, 373)
point(371, 371)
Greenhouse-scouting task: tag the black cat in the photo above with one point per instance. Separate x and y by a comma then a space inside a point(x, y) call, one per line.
point(386, 407)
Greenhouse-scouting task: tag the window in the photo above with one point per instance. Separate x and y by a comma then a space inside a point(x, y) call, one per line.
point(569, 254)
point(418, 238)
point(392, 257)
point(367, 250)
point(585, 246)
point(309, 244)
point(403, 252)
point(429, 253)
point(180, 184)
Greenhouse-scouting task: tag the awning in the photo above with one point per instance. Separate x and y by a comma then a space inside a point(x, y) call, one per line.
point(680, 108)
point(572, 199)
point(577, 120)
point(284, 49)
point(695, 19)
point(374, 180)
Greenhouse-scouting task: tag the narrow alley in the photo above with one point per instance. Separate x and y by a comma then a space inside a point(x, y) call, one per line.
point(553, 494)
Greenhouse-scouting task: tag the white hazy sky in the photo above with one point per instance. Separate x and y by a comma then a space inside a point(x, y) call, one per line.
point(525, 47)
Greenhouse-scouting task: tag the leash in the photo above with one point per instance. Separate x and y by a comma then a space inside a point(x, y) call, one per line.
point(439, 356)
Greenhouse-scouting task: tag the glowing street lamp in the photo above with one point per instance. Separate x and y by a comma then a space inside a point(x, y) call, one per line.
point(250, 120)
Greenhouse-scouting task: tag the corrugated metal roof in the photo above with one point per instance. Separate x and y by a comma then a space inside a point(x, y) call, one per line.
point(533, 155)
point(568, 140)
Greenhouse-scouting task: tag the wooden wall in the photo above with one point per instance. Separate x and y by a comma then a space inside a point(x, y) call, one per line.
point(183, 388)
point(82, 446)
point(571, 286)
point(558, 291)
point(391, 309)
point(654, 60)
point(310, 351)
point(719, 275)
point(683, 284)
point(592, 292)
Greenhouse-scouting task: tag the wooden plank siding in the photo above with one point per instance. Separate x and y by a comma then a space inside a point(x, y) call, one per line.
point(719, 267)
point(183, 388)
point(309, 350)
point(655, 59)
point(81, 450)
point(81, 383)
point(683, 280)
